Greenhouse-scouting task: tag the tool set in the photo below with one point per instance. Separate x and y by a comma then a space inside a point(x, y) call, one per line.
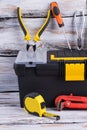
point(63, 72)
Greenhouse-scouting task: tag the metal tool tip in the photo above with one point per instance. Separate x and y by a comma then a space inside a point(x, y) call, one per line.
point(57, 117)
point(34, 48)
point(27, 47)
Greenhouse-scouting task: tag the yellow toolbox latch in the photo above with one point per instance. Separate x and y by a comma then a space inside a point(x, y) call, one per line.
point(74, 72)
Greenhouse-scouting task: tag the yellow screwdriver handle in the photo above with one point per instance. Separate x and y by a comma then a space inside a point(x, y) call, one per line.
point(43, 27)
point(26, 33)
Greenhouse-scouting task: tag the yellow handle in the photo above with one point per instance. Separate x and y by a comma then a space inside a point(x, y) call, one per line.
point(26, 33)
point(40, 31)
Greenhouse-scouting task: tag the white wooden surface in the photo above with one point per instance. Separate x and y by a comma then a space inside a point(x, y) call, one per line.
point(11, 35)
point(11, 40)
point(8, 8)
point(8, 79)
point(13, 117)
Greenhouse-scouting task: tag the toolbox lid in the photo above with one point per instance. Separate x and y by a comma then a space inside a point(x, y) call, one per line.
point(39, 56)
point(66, 55)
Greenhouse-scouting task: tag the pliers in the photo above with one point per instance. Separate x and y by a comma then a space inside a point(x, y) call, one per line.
point(27, 36)
point(79, 30)
point(53, 11)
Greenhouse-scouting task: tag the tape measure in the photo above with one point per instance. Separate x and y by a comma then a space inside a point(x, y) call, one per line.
point(35, 104)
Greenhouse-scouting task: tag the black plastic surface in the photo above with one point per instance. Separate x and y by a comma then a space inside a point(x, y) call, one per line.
point(48, 79)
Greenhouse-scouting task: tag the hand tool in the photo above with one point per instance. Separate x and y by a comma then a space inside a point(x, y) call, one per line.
point(35, 104)
point(56, 14)
point(71, 102)
point(79, 30)
point(26, 33)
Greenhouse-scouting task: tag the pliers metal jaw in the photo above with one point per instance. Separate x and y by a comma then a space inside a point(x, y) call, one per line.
point(33, 46)
point(26, 32)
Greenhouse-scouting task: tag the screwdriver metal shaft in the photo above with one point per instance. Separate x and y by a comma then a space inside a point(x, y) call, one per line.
point(56, 13)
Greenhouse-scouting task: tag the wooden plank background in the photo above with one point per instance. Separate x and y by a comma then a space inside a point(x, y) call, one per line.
point(13, 117)
point(34, 14)
point(12, 40)
point(11, 35)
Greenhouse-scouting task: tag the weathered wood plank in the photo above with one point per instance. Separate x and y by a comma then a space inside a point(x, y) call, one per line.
point(11, 38)
point(8, 78)
point(8, 53)
point(39, 8)
point(16, 116)
point(9, 99)
point(8, 82)
point(11, 35)
point(46, 127)
point(13, 116)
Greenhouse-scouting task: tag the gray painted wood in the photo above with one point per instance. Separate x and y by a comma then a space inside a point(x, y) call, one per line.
point(38, 8)
point(8, 78)
point(12, 37)
point(13, 117)
point(9, 99)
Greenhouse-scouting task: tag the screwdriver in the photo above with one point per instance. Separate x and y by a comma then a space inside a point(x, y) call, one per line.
point(56, 14)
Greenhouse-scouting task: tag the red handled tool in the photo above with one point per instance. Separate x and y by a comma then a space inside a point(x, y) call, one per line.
point(57, 15)
point(71, 102)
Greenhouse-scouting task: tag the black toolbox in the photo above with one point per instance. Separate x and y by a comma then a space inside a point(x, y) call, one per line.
point(51, 74)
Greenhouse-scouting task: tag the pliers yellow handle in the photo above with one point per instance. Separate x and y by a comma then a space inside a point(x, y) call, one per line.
point(42, 28)
point(39, 32)
point(27, 35)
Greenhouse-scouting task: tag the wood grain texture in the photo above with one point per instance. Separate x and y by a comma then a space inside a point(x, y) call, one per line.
point(38, 8)
point(13, 117)
point(9, 99)
point(8, 78)
point(11, 41)
point(12, 37)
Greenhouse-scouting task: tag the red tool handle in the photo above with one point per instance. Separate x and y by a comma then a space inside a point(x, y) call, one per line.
point(71, 102)
point(72, 105)
point(56, 13)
